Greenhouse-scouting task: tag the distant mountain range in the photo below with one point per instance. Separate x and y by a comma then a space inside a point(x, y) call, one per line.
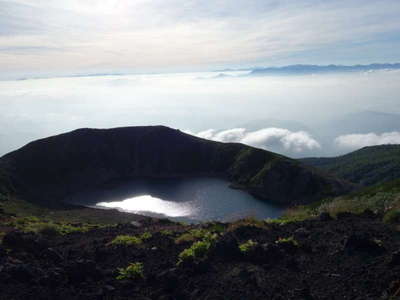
point(367, 166)
point(320, 69)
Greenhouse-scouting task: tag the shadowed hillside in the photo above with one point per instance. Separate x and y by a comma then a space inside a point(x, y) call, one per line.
point(367, 166)
point(49, 169)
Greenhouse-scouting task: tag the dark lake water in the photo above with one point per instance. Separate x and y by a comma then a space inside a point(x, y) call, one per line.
point(190, 200)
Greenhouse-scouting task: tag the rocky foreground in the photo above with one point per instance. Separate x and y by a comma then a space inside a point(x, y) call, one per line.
point(351, 257)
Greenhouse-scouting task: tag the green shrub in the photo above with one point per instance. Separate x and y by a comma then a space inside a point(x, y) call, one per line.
point(146, 236)
point(133, 271)
point(2, 234)
point(288, 240)
point(166, 232)
point(199, 233)
point(127, 240)
point(198, 250)
point(48, 229)
point(31, 219)
point(45, 227)
point(20, 221)
point(247, 246)
point(392, 216)
point(185, 237)
point(192, 235)
point(68, 228)
point(215, 227)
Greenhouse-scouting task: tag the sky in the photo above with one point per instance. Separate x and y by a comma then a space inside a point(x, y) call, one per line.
point(159, 56)
point(85, 36)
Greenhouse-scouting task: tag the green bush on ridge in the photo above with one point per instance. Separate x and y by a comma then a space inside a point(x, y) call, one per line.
point(192, 235)
point(198, 250)
point(392, 216)
point(132, 271)
point(127, 240)
point(166, 232)
point(37, 225)
point(247, 246)
point(130, 240)
point(287, 240)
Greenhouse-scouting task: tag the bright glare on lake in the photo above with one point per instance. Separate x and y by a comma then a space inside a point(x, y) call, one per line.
point(148, 204)
point(190, 200)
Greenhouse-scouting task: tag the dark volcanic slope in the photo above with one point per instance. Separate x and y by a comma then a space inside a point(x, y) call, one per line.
point(353, 257)
point(367, 166)
point(49, 169)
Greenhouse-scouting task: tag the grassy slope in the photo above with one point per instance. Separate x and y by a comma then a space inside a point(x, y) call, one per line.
point(367, 166)
point(383, 199)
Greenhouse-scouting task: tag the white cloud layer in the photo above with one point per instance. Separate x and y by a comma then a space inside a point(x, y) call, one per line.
point(356, 141)
point(36, 108)
point(273, 139)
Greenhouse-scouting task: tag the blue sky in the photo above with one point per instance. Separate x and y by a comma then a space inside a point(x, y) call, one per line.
point(46, 36)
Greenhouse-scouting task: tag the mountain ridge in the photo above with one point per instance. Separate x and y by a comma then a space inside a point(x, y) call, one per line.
point(57, 166)
point(367, 166)
point(302, 69)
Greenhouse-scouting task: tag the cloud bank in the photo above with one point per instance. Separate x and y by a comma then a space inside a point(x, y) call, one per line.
point(356, 141)
point(273, 139)
point(36, 108)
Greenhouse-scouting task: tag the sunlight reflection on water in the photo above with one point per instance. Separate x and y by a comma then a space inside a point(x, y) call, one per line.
point(147, 203)
point(189, 200)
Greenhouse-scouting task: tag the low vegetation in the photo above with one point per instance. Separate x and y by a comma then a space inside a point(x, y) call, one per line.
point(215, 227)
point(166, 232)
point(198, 250)
point(145, 236)
point(383, 199)
point(247, 246)
point(367, 166)
point(127, 240)
point(45, 227)
point(132, 271)
point(249, 221)
point(287, 240)
point(392, 216)
point(192, 235)
point(130, 240)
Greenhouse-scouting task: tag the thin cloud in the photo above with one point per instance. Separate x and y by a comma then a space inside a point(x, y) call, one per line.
point(203, 34)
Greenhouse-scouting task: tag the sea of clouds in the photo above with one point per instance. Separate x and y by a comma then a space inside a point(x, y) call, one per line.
point(298, 143)
point(207, 107)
